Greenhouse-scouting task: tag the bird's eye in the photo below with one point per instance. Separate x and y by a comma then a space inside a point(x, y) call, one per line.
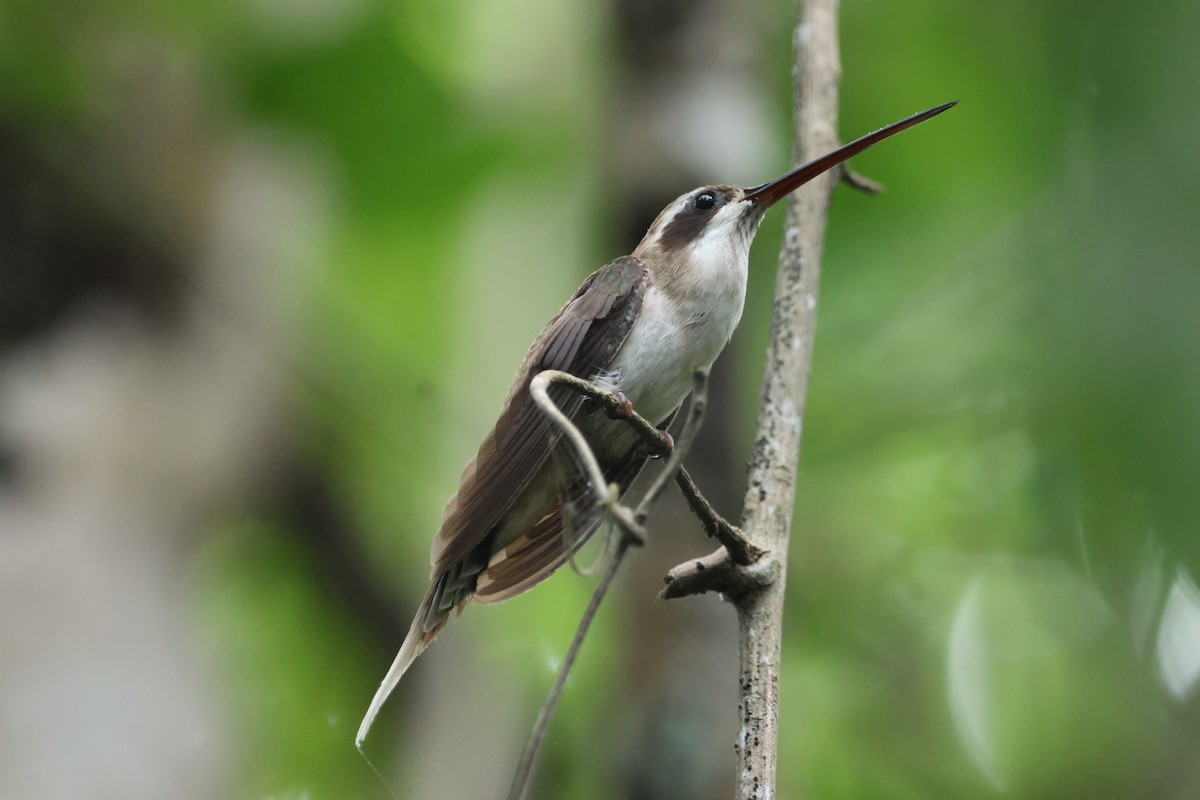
point(704, 201)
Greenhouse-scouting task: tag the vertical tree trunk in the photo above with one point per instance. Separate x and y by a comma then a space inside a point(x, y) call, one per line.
point(770, 493)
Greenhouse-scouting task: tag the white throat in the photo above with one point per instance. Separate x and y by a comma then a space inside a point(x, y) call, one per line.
point(692, 305)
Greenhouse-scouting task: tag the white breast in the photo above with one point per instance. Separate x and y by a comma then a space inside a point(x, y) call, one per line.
point(674, 336)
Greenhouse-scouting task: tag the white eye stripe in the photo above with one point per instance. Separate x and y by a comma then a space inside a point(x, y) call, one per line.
point(662, 237)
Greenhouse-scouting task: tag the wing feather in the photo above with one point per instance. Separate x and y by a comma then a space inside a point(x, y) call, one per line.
point(531, 558)
point(523, 438)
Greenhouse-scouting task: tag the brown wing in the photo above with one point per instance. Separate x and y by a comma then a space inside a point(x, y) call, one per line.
point(531, 558)
point(582, 340)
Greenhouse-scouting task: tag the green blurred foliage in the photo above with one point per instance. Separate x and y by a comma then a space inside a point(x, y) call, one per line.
point(289, 662)
point(998, 488)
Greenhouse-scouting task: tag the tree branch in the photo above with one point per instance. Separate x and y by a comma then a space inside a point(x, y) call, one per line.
point(858, 181)
point(628, 523)
point(716, 526)
point(610, 402)
point(533, 746)
point(771, 491)
point(674, 465)
point(757, 587)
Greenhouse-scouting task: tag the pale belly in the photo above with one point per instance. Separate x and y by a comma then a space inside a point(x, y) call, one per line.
point(656, 364)
point(654, 368)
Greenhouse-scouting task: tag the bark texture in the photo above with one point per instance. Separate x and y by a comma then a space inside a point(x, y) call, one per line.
point(770, 493)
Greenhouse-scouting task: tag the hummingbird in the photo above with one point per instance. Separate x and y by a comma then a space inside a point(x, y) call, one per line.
point(640, 326)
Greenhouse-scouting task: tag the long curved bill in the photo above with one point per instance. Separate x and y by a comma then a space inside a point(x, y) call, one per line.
point(770, 193)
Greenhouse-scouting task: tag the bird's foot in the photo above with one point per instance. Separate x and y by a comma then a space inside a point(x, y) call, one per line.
point(664, 448)
point(624, 408)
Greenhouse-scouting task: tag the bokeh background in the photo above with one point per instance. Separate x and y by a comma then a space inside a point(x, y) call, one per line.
point(266, 268)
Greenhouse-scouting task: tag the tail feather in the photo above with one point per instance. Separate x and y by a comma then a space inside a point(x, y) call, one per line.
point(415, 642)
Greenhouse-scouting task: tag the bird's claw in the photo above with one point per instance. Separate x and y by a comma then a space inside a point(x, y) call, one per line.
point(623, 409)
